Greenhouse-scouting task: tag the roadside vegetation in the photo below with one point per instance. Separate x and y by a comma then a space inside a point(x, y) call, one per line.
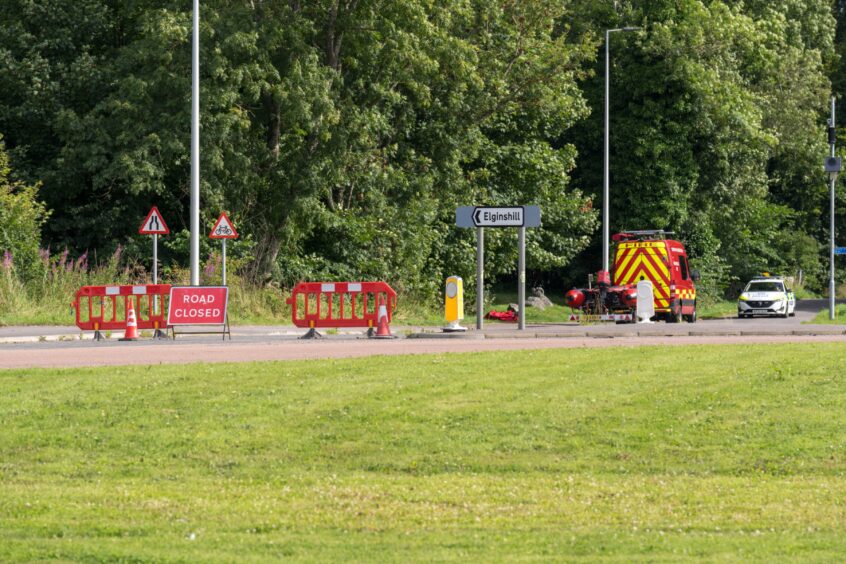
point(839, 316)
point(654, 453)
point(341, 147)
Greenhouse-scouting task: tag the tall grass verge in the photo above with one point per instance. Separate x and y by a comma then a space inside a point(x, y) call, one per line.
point(46, 299)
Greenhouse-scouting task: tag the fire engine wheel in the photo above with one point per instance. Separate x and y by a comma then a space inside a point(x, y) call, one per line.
point(674, 317)
point(691, 318)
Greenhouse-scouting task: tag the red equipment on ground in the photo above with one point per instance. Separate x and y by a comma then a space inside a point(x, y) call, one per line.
point(340, 305)
point(105, 308)
point(509, 315)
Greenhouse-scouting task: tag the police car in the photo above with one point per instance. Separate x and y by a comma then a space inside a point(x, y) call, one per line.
point(766, 296)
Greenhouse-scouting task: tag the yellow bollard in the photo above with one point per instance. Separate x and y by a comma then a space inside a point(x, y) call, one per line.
point(454, 304)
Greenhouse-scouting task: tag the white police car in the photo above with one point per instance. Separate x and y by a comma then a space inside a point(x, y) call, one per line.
point(766, 296)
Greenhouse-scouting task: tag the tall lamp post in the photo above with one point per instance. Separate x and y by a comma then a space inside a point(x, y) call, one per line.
point(832, 167)
point(195, 148)
point(606, 171)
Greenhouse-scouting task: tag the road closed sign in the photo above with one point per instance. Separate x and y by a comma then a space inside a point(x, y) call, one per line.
point(197, 305)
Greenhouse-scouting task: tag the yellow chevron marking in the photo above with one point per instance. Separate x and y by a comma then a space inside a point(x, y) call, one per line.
point(622, 266)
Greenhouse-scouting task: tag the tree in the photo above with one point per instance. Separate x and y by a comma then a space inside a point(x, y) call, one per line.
point(343, 133)
point(21, 218)
point(715, 126)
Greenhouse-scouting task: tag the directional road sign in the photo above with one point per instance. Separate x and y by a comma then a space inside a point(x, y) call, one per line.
point(488, 216)
point(840, 250)
point(154, 224)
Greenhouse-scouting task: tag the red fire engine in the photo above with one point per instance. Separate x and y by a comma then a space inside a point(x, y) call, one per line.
point(641, 255)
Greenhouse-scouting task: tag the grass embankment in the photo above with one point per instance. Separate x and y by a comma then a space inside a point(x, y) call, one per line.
point(839, 316)
point(46, 299)
point(560, 313)
point(732, 452)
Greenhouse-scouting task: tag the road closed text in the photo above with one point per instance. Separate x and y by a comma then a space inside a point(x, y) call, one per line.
point(197, 305)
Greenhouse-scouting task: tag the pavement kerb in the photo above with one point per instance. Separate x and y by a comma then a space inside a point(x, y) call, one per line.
point(433, 335)
point(819, 332)
point(665, 333)
point(504, 333)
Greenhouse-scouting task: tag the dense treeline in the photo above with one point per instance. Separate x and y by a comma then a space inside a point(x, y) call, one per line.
point(342, 134)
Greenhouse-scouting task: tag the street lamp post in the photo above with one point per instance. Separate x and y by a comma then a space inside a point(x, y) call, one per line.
point(195, 148)
point(832, 167)
point(606, 171)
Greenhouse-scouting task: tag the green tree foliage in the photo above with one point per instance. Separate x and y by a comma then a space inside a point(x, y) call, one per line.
point(342, 134)
point(715, 127)
point(21, 218)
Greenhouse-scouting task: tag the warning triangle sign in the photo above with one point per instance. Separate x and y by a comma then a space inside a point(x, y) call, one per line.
point(223, 229)
point(154, 224)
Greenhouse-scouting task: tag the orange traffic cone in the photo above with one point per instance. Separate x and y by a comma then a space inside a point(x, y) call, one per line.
point(131, 333)
point(383, 331)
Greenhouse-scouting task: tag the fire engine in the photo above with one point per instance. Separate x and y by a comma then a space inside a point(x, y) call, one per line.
point(640, 255)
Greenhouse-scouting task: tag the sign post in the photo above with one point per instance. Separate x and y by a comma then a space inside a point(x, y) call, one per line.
point(480, 275)
point(488, 216)
point(198, 305)
point(154, 225)
point(223, 230)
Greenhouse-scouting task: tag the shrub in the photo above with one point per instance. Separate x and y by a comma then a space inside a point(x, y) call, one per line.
point(21, 218)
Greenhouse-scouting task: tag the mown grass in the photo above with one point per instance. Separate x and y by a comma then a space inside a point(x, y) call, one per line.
point(654, 453)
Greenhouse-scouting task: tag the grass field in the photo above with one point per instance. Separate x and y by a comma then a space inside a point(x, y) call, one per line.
point(733, 452)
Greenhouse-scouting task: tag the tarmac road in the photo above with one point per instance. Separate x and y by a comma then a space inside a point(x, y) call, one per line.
point(22, 347)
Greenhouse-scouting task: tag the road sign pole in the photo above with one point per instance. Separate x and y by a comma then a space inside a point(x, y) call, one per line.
point(480, 275)
point(521, 280)
point(480, 217)
point(224, 261)
point(155, 259)
point(155, 271)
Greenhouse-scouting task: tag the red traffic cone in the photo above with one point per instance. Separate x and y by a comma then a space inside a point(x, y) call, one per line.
point(131, 333)
point(383, 331)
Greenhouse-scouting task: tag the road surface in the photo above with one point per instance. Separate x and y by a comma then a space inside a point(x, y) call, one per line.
point(23, 347)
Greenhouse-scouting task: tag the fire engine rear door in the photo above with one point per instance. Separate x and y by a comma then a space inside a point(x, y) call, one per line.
point(644, 260)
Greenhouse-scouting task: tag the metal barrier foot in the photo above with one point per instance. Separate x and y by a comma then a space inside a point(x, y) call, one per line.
point(159, 334)
point(312, 334)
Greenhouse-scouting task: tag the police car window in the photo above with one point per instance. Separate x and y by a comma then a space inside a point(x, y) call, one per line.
point(766, 287)
point(683, 266)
